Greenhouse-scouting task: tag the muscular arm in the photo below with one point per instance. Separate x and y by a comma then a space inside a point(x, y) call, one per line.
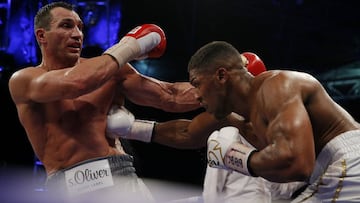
point(147, 91)
point(39, 85)
point(290, 156)
point(290, 153)
point(192, 134)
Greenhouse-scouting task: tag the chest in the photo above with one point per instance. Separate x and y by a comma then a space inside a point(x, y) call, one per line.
point(84, 109)
point(260, 126)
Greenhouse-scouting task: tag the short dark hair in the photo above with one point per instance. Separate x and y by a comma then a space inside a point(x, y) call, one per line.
point(43, 17)
point(213, 55)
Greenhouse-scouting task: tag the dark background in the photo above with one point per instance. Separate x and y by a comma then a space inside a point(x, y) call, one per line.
point(320, 37)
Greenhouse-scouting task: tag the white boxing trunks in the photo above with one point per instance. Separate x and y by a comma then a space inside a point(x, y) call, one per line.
point(336, 176)
point(228, 186)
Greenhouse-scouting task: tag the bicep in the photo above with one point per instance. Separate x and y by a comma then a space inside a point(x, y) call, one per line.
point(291, 146)
point(284, 115)
point(291, 124)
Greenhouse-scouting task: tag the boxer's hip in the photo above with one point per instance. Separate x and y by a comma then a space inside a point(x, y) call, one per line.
point(93, 174)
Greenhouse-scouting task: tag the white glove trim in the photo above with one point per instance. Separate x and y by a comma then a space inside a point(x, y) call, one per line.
point(124, 51)
point(237, 158)
point(141, 130)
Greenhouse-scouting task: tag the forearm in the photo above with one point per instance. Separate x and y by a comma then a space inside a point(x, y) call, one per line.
point(186, 134)
point(278, 164)
point(175, 134)
point(146, 91)
point(180, 97)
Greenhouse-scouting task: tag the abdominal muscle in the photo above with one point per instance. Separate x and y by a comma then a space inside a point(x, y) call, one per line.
point(72, 152)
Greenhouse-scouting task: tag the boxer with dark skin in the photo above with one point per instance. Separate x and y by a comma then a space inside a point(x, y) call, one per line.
point(295, 121)
point(193, 134)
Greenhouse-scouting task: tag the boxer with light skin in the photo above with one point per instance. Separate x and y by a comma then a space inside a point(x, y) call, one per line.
point(302, 134)
point(63, 102)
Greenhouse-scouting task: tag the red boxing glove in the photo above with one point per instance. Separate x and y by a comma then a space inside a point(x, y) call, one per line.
point(145, 41)
point(139, 32)
point(254, 64)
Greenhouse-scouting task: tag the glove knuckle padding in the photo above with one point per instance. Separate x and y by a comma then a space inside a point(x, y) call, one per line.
point(119, 122)
point(122, 123)
point(230, 132)
point(255, 65)
point(218, 144)
point(226, 151)
point(146, 31)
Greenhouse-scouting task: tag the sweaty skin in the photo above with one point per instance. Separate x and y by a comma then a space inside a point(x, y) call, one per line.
point(292, 116)
point(296, 118)
point(63, 102)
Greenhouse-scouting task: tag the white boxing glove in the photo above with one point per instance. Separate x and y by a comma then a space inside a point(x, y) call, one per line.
point(218, 144)
point(122, 123)
point(119, 121)
point(226, 151)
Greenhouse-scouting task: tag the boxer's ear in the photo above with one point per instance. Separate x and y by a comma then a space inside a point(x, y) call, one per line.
point(222, 74)
point(40, 35)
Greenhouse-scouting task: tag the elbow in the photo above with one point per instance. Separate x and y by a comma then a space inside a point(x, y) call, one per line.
point(304, 169)
point(191, 143)
point(300, 174)
point(198, 144)
point(194, 140)
point(298, 168)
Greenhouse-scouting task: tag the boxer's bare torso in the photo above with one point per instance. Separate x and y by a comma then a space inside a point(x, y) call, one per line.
point(300, 98)
point(63, 103)
point(67, 131)
point(64, 132)
point(293, 119)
